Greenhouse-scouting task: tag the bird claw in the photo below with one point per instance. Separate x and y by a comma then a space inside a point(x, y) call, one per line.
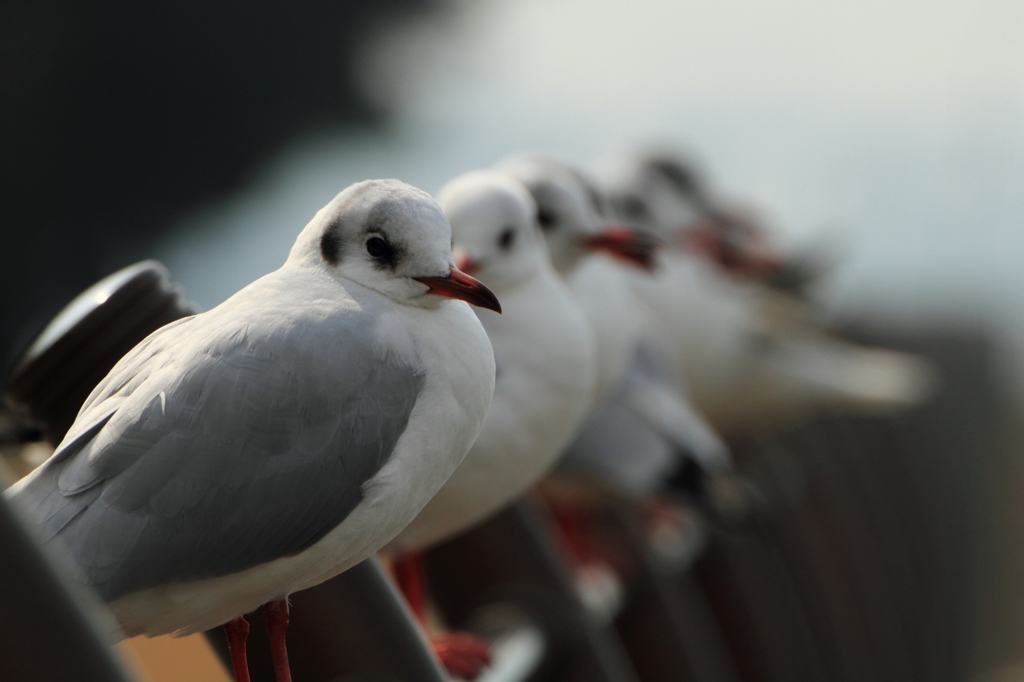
point(463, 655)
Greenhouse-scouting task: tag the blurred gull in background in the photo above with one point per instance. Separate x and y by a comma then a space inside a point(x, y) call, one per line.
point(746, 351)
point(545, 372)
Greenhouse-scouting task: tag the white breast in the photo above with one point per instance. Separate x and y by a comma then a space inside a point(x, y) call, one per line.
point(602, 288)
point(545, 358)
point(701, 327)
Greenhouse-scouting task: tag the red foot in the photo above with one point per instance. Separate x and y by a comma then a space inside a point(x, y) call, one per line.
point(463, 655)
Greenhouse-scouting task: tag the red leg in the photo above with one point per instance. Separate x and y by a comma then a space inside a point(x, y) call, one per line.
point(576, 536)
point(463, 655)
point(412, 582)
point(276, 616)
point(237, 631)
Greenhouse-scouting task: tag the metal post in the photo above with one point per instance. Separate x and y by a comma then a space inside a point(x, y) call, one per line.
point(666, 625)
point(44, 634)
point(513, 559)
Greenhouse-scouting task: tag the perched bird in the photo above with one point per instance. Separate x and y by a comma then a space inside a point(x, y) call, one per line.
point(747, 350)
point(664, 193)
point(572, 221)
point(544, 354)
point(262, 447)
point(641, 429)
point(543, 349)
point(653, 421)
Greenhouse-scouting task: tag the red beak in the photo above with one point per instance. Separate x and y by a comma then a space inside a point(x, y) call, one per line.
point(465, 263)
point(749, 258)
point(702, 238)
point(458, 284)
point(625, 244)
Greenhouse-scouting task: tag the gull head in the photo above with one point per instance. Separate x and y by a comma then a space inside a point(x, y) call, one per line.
point(494, 227)
point(573, 215)
point(392, 238)
point(659, 193)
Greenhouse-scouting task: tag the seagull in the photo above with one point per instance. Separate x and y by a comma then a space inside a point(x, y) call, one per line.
point(544, 354)
point(264, 446)
point(545, 358)
point(666, 194)
point(746, 350)
point(570, 215)
point(642, 428)
point(573, 212)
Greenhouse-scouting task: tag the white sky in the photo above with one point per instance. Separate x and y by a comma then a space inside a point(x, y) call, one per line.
point(897, 126)
point(844, 52)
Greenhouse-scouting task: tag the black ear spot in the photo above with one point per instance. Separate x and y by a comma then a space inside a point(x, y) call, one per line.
point(684, 179)
point(330, 248)
point(507, 238)
point(546, 219)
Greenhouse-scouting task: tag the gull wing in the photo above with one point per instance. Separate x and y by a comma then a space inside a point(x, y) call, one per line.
point(221, 443)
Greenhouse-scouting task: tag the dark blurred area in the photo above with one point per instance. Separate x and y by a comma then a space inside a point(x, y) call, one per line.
point(117, 116)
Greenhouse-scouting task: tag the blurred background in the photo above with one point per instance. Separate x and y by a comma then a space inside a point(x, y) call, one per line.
point(206, 136)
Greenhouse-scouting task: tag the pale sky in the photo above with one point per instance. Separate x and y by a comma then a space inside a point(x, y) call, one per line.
point(873, 53)
point(896, 128)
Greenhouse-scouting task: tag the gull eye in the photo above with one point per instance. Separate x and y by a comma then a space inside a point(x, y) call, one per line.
point(380, 250)
point(507, 238)
point(546, 219)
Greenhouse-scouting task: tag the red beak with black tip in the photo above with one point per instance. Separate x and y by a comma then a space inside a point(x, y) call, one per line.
point(458, 284)
point(625, 244)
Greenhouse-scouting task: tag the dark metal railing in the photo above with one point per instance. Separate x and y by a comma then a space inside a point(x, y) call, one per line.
point(45, 633)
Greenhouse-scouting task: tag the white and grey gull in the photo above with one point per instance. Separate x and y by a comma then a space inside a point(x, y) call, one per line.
point(747, 351)
point(245, 453)
point(638, 418)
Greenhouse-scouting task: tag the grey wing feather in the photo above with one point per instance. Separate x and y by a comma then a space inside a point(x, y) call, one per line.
point(251, 448)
